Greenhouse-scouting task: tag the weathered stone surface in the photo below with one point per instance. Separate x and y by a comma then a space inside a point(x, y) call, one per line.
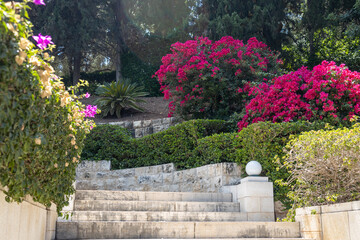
point(137, 124)
point(139, 132)
point(160, 178)
point(177, 230)
point(148, 131)
point(93, 166)
point(159, 216)
point(114, 205)
point(246, 230)
point(27, 220)
point(335, 226)
point(158, 128)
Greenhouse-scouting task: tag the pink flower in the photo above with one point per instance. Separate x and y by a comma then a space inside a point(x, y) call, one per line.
point(39, 2)
point(87, 95)
point(42, 41)
point(90, 111)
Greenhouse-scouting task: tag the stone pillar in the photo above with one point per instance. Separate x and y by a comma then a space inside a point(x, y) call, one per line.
point(256, 197)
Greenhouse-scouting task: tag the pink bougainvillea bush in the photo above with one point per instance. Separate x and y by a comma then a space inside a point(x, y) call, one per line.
point(206, 79)
point(329, 93)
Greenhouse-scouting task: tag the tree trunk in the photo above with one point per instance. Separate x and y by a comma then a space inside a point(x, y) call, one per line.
point(120, 19)
point(118, 65)
point(76, 69)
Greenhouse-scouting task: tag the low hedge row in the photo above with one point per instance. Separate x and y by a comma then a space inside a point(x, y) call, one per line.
point(176, 144)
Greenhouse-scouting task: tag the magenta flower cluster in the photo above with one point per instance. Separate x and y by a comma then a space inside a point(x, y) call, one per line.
point(39, 2)
point(42, 41)
point(328, 92)
point(90, 111)
point(202, 77)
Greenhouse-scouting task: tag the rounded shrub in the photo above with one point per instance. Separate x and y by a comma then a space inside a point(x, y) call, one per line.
point(329, 93)
point(324, 167)
point(42, 127)
point(206, 79)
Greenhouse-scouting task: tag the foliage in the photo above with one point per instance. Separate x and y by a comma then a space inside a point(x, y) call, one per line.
point(324, 167)
point(265, 20)
point(262, 142)
point(140, 72)
point(176, 145)
point(116, 96)
point(328, 92)
point(106, 142)
point(323, 30)
point(42, 125)
point(133, 68)
point(208, 79)
point(75, 27)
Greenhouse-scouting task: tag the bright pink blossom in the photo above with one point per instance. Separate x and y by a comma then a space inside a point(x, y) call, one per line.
point(90, 111)
point(219, 67)
point(39, 2)
point(306, 95)
point(42, 41)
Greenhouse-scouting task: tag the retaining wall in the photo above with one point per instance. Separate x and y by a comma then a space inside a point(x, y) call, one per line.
point(145, 127)
point(331, 222)
point(28, 220)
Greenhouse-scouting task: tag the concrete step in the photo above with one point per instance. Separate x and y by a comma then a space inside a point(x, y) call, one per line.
point(223, 239)
point(158, 216)
point(185, 230)
point(163, 206)
point(152, 196)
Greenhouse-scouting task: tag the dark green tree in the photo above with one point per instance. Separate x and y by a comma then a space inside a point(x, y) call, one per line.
point(75, 27)
point(324, 30)
point(263, 19)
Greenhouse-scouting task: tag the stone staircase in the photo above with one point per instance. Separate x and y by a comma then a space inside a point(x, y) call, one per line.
point(116, 214)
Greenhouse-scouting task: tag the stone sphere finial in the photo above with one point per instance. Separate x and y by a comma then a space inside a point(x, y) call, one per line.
point(253, 168)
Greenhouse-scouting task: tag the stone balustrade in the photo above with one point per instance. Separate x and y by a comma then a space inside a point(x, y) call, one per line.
point(210, 178)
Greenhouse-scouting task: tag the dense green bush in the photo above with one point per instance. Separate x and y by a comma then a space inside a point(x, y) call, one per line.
point(324, 167)
point(41, 126)
point(106, 142)
point(176, 144)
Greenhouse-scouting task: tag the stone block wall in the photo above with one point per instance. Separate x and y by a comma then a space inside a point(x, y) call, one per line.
point(28, 220)
point(210, 178)
point(145, 127)
point(331, 222)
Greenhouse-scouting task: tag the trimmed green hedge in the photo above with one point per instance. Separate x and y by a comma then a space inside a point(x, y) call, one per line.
point(176, 144)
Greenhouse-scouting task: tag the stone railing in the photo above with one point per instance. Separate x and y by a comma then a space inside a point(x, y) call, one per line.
point(28, 220)
point(331, 222)
point(210, 178)
point(145, 127)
